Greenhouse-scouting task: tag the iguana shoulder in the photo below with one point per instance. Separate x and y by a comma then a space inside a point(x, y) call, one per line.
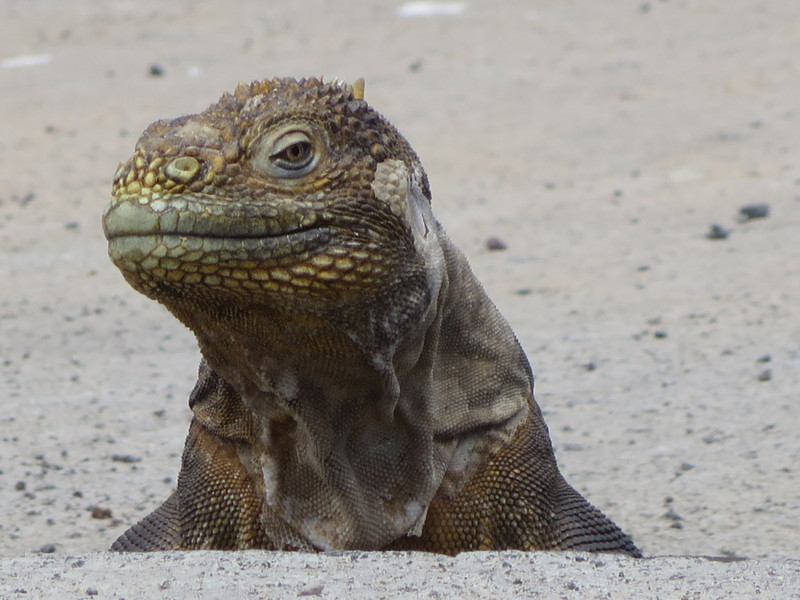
point(358, 388)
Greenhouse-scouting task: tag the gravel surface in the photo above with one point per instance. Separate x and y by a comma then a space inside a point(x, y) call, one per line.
point(489, 575)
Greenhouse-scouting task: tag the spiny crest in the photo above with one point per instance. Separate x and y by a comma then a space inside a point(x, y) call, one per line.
point(287, 90)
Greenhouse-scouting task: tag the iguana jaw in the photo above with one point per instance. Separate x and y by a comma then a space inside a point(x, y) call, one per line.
point(208, 216)
point(165, 245)
point(160, 245)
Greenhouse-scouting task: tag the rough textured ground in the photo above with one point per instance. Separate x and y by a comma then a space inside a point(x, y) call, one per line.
point(403, 576)
point(598, 140)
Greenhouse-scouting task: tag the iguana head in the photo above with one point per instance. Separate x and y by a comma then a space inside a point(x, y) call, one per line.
point(290, 193)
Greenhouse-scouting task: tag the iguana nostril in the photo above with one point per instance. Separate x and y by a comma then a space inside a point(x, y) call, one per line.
point(183, 169)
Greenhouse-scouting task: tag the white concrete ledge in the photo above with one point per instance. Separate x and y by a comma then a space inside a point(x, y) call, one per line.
point(354, 575)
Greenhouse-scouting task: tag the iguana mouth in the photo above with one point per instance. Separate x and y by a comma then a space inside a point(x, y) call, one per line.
point(160, 244)
point(133, 217)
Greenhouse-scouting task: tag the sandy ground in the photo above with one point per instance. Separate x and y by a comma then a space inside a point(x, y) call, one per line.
point(396, 576)
point(598, 140)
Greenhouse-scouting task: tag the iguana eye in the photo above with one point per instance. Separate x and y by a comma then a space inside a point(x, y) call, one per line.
point(293, 151)
point(286, 153)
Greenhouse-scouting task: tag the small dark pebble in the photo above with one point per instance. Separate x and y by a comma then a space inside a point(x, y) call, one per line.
point(754, 211)
point(672, 515)
point(91, 592)
point(727, 556)
point(47, 548)
point(125, 458)
point(764, 359)
point(495, 243)
point(311, 591)
point(415, 66)
point(523, 292)
point(20, 486)
point(590, 366)
point(677, 525)
point(98, 512)
point(765, 375)
point(660, 335)
point(717, 232)
point(156, 70)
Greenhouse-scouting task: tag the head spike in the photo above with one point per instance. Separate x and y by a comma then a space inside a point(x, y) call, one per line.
point(358, 88)
point(242, 91)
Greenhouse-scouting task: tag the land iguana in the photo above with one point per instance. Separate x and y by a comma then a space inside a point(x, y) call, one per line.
point(358, 389)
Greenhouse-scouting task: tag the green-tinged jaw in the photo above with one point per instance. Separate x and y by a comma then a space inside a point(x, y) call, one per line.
point(160, 245)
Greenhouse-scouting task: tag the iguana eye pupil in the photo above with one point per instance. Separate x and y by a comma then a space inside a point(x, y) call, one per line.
point(294, 156)
point(297, 152)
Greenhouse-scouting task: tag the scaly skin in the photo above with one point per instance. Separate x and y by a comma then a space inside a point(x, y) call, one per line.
point(358, 390)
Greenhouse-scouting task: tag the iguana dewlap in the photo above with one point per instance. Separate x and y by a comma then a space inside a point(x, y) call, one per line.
point(358, 389)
